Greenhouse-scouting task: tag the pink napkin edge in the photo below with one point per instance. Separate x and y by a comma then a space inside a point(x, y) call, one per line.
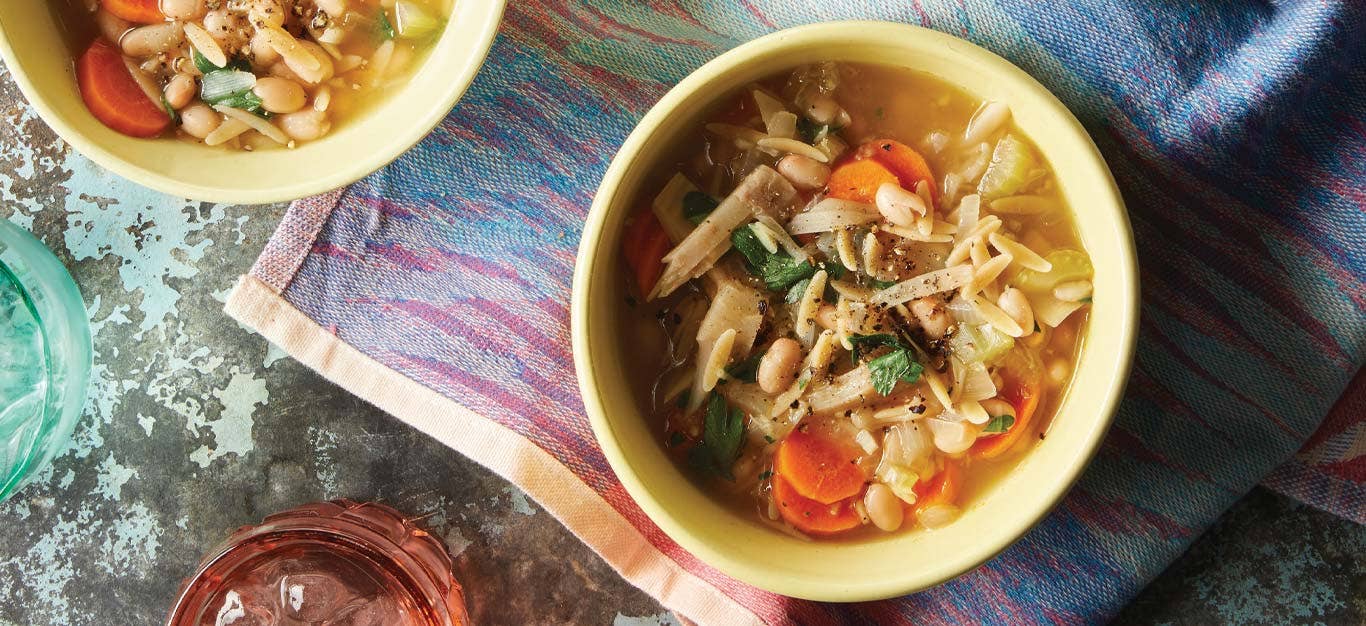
point(259, 305)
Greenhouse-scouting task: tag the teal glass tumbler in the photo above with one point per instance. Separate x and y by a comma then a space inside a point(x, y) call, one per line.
point(45, 357)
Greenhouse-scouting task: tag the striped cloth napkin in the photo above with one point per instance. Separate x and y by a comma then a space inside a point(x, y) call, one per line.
point(438, 288)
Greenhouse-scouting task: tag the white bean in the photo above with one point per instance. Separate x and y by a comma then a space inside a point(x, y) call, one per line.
point(843, 119)
point(1016, 305)
point(884, 508)
point(898, 206)
point(111, 26)
point(938, 516)
point(180, 90)
point(996, 407)
point(779, 366)
point(305, 125)
point(932, 315)
point(823, 109)
point(228, 28)
point(198, 120)
point(145, 41)
point(805, 173)
point(268, 12)
point(183, 10)
point(279, 95)
point(279, 69)
point(1073, 290)
point(263, 55)
point(952, 437)
point(1058, 371)
point(828, 317)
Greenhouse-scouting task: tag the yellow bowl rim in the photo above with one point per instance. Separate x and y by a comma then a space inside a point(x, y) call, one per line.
point(799, 37)
point(391, 149)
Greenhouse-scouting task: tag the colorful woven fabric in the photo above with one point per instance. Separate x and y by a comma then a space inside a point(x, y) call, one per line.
point(1237, 132)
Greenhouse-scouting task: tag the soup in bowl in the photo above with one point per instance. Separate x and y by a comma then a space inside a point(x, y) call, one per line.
point(839, 327)
point(856, 300)
point(242, 74)
point(141, 86)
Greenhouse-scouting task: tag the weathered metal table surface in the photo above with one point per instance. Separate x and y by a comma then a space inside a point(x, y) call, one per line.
point(194, 426)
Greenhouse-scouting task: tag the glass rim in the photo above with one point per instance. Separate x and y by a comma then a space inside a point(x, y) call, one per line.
point(363, 545)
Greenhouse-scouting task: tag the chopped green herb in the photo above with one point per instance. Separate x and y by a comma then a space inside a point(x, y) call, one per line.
point(794, 295)
point(835, 270)
point(999, 424)
point(768, 439)
point(230, 87)
point(766, 474)
point(868, 342)
point(747, 243)
point(202, 63)
point(778, 270)
point(746, 370)
point(697, 206)
point(1087, 300)
point(675, 438)
point(782, 271)
point(888, 369)
point(247, 101)
point(723, 430)
point(386, 29)
point(810, 131)
point(170, 110)
point(878, 112)
point(880, 284)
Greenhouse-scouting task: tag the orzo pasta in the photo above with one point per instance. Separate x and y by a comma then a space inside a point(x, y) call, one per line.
point(857, 298)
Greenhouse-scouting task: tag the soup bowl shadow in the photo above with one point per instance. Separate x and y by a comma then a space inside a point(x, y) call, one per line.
point(35, 51)
point(899, 563)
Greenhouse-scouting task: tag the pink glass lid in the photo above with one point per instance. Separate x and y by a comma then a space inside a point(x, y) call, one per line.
point(329, 563)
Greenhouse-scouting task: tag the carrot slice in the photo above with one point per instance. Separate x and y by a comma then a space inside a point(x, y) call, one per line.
point(1022, 395)
point(858, 180)
point(909, 167)
point(644, 245)
point(140, 11)
point(943, 488)
point(114, 97)
point(810, 516)
point(818, 468)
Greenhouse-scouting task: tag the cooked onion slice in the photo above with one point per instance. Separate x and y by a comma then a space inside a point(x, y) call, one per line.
point(819, 221)
point(763, 191)
point(988, 119)
point(928, 284)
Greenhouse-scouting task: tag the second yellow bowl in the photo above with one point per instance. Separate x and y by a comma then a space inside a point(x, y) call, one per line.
point(33, 48)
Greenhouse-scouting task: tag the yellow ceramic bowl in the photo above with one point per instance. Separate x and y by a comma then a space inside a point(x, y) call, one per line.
point(37, 57)
point(898, 563)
